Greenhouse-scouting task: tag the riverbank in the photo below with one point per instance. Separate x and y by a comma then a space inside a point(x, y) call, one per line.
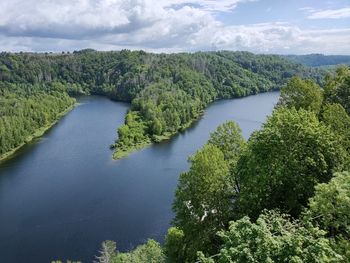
point(38, 133)
point(124, 151)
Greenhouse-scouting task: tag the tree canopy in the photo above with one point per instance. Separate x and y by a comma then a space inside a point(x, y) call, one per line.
point(285, 160)
point(329, 210)
point(27, 108)
point(337, 88)
point(168, 91)
point(228, 138)
point(305, 94)
point(274, 237)
point(335, 116)
point(150, 252)
point(202, 204)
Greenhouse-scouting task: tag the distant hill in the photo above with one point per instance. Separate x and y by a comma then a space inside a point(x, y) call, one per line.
point(318, 60)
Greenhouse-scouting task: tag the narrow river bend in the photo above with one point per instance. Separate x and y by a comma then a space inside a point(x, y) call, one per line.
point(62, 195)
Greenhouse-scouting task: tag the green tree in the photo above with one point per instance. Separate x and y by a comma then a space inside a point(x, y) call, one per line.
point(156, 128)
point(174, 245)
point(329, 210)
point(150, 252)
point(305, 94)
point(273, 238)
point(285, 160)
point(334, 115)
point(26, 110)
point(337, 88)
point(107, 252)
point(228, 138)
point(201, 203)
point(124, 134)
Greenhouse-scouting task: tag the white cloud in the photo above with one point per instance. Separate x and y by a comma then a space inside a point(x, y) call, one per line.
point(307, 9)
point(153, 25)
point(280, 38)
point(81, 18)
point(75, 19)
point(211, 5)
point(327, 14)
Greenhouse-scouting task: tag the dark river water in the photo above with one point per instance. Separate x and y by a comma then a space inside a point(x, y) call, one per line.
point(62, 195)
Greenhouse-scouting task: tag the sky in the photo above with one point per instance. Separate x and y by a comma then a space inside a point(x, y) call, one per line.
point(259, 26)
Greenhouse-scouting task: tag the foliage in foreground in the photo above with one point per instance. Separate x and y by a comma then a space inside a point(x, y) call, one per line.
point(285, 160)
point(280, 197)
point(300, 93)
point(337, 88)
point(329, 210)
point(274, 237)
point(202, 203)
point(322, 234)
point(150, 252)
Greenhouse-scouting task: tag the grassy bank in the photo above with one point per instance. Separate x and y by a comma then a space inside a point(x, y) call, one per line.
point(123, 151)
point(38, 133)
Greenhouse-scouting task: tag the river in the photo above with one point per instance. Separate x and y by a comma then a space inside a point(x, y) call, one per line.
point(62, 195)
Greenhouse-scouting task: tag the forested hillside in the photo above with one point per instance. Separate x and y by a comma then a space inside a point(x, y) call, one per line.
point(26, 111)
point(167, 91)
point(317, 60)
point(281, 196)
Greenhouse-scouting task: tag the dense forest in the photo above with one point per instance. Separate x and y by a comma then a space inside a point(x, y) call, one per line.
point(167, 91)
point(281, 196)
point(27, 110)
point(318, 60)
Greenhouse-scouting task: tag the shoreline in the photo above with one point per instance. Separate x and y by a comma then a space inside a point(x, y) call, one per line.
point(38, 133)
point(124, 152)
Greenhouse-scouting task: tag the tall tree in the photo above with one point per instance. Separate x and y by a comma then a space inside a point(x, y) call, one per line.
point(299, 93)
point(329, 210)
point(285, 160)
point(174, 246)
point(335, 116)
point(337, 88)
point(228, 138)
point(107, 252)
point(201, 201)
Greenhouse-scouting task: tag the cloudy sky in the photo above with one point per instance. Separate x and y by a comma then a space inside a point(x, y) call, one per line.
point(260, 26)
